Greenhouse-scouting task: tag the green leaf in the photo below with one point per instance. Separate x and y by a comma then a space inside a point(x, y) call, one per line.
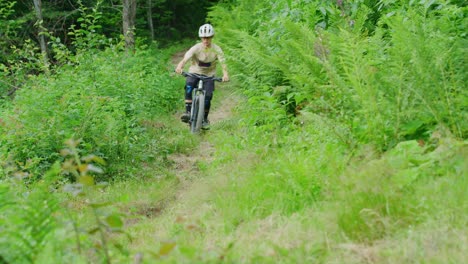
point(114, 221)
point(166, 248)
point(323, 10)
point(93, 230)
point(53, 172)
point(86, 180)
point(93, 158)
point(411, 127)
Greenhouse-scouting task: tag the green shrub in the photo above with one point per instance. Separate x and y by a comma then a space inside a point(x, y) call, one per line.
point(103, 101)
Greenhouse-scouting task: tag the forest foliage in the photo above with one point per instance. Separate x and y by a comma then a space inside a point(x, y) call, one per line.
point(339, 83)
point(386, 70)
point(68, 26)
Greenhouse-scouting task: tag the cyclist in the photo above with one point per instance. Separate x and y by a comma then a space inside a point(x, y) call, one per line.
point(204, 56)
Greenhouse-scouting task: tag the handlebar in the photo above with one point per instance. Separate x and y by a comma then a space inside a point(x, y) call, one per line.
point(202, 77)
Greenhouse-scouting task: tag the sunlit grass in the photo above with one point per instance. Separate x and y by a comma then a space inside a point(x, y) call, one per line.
point(305, 201)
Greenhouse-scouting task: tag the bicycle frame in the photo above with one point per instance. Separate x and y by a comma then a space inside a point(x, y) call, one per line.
point(198, 101)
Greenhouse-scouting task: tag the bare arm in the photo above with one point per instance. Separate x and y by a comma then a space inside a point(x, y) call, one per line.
point(180, 66)
point(225, 72)
point(187, 56)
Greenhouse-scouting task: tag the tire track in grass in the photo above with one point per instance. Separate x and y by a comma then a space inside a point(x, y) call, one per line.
point(188, 200)
point(187, 166)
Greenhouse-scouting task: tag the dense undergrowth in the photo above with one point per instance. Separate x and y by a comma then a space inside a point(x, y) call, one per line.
point(104, 101)
point(100, 120)
point(348, 145)
point(394, 82)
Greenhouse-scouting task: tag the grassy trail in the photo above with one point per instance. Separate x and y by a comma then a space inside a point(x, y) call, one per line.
point(181, 205)
point(180, 199)
point(228, 198)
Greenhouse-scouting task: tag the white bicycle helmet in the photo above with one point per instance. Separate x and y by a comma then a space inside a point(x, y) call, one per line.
point(206, 31)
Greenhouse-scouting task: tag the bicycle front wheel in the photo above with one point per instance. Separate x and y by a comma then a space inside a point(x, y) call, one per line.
point(198, 110)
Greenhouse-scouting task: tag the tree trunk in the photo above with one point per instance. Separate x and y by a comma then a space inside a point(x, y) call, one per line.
point(42, 41)
point(149, 14)
point(129, 13)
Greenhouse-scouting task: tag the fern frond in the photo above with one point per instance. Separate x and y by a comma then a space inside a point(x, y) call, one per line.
point(26, 222)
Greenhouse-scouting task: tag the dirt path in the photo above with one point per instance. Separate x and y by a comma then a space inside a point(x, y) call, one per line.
point(184, 198)
point(186, 165)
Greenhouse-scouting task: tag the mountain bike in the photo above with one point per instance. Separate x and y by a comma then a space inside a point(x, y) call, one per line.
point(198, 100)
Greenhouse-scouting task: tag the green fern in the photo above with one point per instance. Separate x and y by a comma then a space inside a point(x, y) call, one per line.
point(26, 223)
point(427, 54)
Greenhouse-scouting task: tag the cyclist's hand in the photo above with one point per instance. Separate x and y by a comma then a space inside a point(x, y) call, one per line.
point(225, 78)
point(178, 70)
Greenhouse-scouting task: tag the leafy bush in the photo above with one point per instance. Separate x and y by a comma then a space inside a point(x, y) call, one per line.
point(102, 101)
point(39, 223)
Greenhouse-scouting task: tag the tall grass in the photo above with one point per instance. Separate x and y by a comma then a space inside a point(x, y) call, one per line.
point(276, 194)
point(286, 171)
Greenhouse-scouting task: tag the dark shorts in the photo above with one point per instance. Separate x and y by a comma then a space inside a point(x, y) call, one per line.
point(192, 82)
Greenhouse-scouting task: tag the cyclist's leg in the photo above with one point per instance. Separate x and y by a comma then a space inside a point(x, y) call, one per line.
point(190, 84)
point(209, 87)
